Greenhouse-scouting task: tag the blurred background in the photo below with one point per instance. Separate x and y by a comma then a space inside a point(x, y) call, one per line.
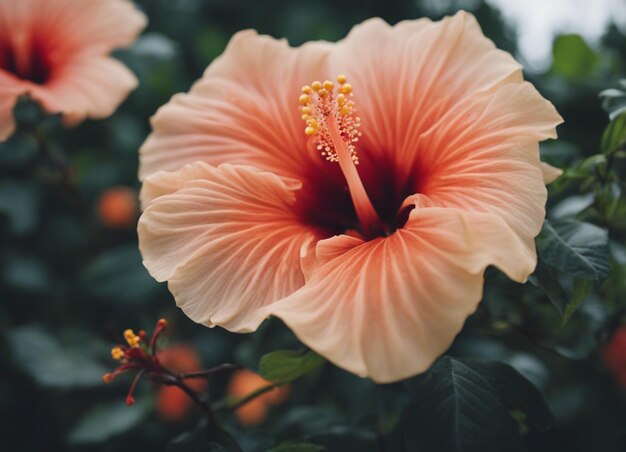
point(71, 278)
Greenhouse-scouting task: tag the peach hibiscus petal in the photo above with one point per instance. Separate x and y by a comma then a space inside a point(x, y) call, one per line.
point(444, 131)
point(8, 97)
point(75, 26)
point(550, 173)
point(226, 240)
point(387, 308)
point(241, 111)
point(104, 25)
point(406, 77)
point(90, 88)
point(57, 52)
point(483, 156)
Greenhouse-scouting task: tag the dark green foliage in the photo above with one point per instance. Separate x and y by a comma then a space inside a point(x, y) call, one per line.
point(527, 373)
point(578, 249)
point(286, 365)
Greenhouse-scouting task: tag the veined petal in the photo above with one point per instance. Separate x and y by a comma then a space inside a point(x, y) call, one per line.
point(406, 77)
point(243, 110)
point(88, 88)
point(226, 240)
point(75, 26)
point(389, 307)
point(56, 51)
point(483, 155)
point(550, 173)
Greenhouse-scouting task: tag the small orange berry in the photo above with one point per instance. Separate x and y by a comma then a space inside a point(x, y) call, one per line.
point(117, 207)
point(172, 403)
point(244, 382)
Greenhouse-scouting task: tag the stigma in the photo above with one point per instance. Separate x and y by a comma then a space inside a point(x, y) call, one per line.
point(329, 112)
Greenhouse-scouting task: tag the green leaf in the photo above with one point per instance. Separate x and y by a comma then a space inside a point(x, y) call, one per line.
point(18, 151)
point(297, 446)
point(50, 364)
point(19, 204)
point(582, 289)
point(614, 100)
point(458, 410)
point(284, 366)
point(198, 440)
point(546, 278)
point(573, 58)
point(614, 136)
point(26, 273)
point(27, 112)
point(106, 421)
point(348, 438)
point(515, 392)
point(118, 276)
point(576, 248)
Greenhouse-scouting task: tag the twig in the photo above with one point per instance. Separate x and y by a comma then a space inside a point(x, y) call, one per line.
point(209, 372)
point(240, 402)
point(65, 172)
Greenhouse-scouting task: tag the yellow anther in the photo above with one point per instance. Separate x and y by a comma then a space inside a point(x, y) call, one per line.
point(329, 115)
point(117, 353)
point(306, 89)
point(131, 338)
point(346, 88)
point(305, 99)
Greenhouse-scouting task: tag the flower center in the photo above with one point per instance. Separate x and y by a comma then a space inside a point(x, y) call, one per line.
point(25, 58)
point(331, 121)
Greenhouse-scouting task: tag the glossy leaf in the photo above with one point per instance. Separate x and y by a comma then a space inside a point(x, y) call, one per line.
point(284, 366)
point(575, 248)
point(614, 136)
point(515, 392)
point(546, 278)
point(106, 421)
point(614, 100)
point(198, 440)
point(118, 276)
point(582, 289)
point(458, 410)
point(51, 364)
point(573, 58)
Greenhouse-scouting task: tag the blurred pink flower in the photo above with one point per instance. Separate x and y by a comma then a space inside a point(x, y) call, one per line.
point(367, 227)
point(614, 356)
point(57, 52)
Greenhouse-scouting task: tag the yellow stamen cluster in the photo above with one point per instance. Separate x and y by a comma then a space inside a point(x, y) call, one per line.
point(117, 353)
point(132, 339)
point(322, 102)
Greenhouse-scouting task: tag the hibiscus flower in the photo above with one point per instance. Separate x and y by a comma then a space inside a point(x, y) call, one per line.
point(57, 51)
point(355, 190)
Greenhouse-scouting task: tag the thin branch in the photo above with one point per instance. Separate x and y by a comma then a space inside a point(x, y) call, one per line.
point(65, 172)
point(209, 372)
point(253, 395)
